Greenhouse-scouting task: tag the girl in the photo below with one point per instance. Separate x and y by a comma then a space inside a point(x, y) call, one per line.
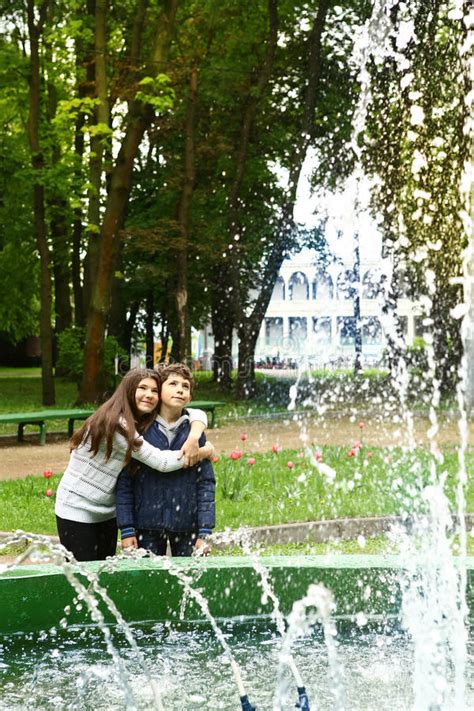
point(100, 449)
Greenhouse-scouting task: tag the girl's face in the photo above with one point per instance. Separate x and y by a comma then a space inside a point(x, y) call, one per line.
point(146, 396)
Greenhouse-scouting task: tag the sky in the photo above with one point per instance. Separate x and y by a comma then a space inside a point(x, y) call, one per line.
point(341, 213)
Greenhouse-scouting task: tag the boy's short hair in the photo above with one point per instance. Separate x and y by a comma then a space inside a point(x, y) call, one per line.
point(167, 371)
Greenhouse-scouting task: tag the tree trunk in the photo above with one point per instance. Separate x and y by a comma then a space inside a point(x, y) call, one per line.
point(102, 117)
point(139, 118)
point(165, 337)
point(246, 371)
point(46, 331)
point(222, 329)
point(57, 207)
point(357, 318)
point(84, 58)
point(250, 324)
point(62, 274)
point(130, 322)
point(182, 311)
point(150, 330)
point(248, 120)
point(118, 320)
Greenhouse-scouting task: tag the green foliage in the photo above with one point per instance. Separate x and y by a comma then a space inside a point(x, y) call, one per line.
point(69, 110)
point(156, 91)
point(19, 286)
point(19, 267)
point(71, 355)
point(415, 146)
point(417, 357)
point(233, 482)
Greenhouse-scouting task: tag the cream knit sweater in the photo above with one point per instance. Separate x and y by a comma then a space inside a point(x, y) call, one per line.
point(86, 492)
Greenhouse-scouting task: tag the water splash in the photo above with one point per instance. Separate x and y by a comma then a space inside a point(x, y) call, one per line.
point(433, 608)
point(242, 537)
point(41, 549)
point(316, 606)
point(188, 583)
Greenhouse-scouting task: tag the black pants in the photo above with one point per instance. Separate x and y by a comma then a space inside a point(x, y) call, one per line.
point(181, 544)
point(88, 541)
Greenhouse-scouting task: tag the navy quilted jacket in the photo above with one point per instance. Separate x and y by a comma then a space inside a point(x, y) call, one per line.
point(181, 501)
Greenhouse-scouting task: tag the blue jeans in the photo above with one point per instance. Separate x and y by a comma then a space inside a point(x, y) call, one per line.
point(181, 544)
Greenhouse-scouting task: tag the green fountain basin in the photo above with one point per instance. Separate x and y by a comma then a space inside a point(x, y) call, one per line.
point(35, 597)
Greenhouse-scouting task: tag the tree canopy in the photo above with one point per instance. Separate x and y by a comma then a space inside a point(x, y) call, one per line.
point(152, 153)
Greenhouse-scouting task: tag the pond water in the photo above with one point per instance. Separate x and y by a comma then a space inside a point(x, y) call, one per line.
point(71, 669)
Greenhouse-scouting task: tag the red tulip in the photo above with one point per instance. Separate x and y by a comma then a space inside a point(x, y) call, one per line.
point(243, 437)
point(361, 425)
point(251, 460)
point(351, 453)
point(47, 474)
point(318, 456)
point(235, 454)
point(49, 492)
point(276, 448)
point(369, 455)
point(290, 465)
point(215, 459)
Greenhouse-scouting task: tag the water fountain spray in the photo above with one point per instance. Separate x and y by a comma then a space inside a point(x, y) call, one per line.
point(71, 568)
point(242, 536)
point(187, 583)
point(317, 605)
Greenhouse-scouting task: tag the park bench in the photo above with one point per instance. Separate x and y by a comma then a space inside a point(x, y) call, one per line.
point(40, 418)
point(207, 406)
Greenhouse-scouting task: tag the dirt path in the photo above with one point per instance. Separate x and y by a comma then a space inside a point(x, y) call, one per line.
point(20, 460)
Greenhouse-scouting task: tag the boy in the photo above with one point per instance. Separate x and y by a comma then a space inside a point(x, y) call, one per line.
point(154, 508)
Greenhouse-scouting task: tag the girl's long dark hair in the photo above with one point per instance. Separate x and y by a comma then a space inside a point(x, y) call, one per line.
point(118, 414)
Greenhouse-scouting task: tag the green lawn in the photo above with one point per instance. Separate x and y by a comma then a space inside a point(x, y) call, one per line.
point(20, 390)
point(8, 372)
point(269, 492)
point(22, 393)
point(378, 545)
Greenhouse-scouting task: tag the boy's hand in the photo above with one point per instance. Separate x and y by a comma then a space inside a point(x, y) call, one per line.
point(201, 547)
point(190, 451)
point(130, 542)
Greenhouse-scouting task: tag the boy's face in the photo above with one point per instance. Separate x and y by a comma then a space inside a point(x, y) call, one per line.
point(175, 392)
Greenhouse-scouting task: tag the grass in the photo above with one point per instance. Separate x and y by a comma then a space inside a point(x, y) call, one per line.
point(374, 483)
point(23, 394)
point(20, 390)
point(8, 372)
point(378, 482)
point(378, 545)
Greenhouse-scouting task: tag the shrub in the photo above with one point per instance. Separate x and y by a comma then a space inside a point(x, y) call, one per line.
point(71, 355)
